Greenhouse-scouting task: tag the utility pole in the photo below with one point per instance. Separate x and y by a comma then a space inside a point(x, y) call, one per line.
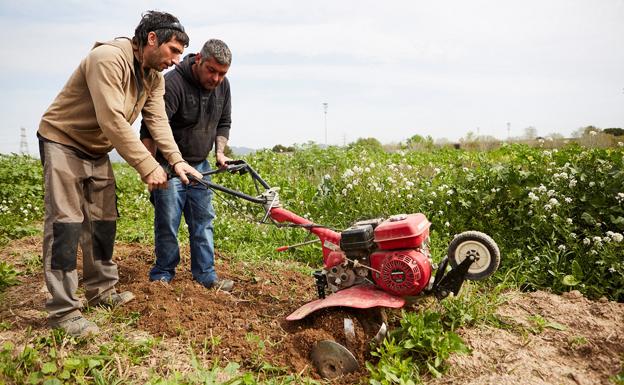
point(508, 131)
point(325, 112)
point(23, 142)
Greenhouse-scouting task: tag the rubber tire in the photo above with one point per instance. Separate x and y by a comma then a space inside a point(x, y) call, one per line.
point(483, 244)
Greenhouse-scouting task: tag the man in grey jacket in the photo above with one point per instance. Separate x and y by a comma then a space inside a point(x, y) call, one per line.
point(198, 104)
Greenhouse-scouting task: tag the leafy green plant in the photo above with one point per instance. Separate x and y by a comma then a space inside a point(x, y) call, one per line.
point(420, 345)
point(540, 323)
point(8, 275)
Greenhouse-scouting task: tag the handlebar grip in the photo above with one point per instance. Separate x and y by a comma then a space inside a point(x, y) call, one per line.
point(282, 248)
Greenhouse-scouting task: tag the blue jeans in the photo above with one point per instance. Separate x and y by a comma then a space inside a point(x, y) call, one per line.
point(194, 200)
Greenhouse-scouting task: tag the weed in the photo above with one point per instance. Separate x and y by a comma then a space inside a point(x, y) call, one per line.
point(540, 323)
point(574, 341)
point(8, 275)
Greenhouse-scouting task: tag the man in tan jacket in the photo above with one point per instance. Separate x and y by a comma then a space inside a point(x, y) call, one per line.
point(91, 115)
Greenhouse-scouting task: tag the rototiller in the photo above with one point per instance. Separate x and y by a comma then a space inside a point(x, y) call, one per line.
point(374, 263)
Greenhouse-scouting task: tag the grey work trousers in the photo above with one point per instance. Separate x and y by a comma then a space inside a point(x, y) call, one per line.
point(80, 208)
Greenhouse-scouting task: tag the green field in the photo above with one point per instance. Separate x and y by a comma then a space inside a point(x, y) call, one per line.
point(556, 214)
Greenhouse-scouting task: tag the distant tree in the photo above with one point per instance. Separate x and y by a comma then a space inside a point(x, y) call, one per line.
point(418, 142)
point(584, 131)
point(368, 143)
point(282, 148)
point(470, 137)
point(530, 133)
point(614, 131)
point(555, 136)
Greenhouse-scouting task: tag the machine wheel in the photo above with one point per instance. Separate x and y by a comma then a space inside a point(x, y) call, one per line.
point(479, 245)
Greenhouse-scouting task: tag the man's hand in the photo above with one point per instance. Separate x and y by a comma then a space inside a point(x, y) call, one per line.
point(221, 159)
point(157, 179)
point(183, 168)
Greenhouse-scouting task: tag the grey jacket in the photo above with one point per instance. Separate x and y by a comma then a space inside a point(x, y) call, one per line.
point(196, 115)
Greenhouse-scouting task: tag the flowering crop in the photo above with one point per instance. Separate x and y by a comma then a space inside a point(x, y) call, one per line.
point(557, 215)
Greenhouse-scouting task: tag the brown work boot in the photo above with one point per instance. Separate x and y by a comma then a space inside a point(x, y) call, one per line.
point(77, 326)
point(112, 300)
point(221, 284)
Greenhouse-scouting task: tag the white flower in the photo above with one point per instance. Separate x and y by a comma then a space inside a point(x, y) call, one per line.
point(344, 191)
point(617, 237)
point(347, 174)
point(592, 184)
point(447, 224)
point(440, 212)
point(573, 235)
point(533, 197)
point(620, 144)
point(567, 200)
point(349, 186)
point(409, 196)
point(561, 247)
point(553, 202)
point(612, 270)
point(572, 183)
point(547, 207)
point(430, 202)
point(433, 194)
point(569, 221)
point(327, 177)
point(593, 133)
point(448, 203)
point(449, 192)
point(542, 188)
point(550, 193)
point(366, 169)
point(586, 241)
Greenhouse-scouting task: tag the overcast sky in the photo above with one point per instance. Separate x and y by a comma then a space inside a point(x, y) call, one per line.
point(388, 70)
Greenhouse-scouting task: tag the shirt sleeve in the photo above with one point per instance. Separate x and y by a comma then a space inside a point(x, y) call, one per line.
point(225, 122)
point(157, 122)
point(104, 71)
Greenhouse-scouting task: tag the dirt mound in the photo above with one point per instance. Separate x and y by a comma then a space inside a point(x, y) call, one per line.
point(549, 339)
point(247, 325)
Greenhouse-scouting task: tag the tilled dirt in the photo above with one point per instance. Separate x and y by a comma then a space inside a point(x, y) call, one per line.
point(579, 341)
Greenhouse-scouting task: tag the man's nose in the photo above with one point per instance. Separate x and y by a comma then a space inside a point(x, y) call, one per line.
point(176, 59)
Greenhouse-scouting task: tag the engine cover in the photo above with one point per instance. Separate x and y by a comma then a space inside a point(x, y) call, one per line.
point(401, 272)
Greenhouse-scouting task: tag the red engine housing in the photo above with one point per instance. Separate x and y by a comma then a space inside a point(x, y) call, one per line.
point(401, 272)
point(404, 231)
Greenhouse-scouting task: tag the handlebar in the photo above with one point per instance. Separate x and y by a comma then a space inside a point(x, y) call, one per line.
point(235, 167)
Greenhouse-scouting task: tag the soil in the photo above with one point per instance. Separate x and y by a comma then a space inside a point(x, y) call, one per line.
point(580, 341)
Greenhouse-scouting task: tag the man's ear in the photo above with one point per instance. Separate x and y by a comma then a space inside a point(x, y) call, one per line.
point(198, 58)
point(152, 38)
